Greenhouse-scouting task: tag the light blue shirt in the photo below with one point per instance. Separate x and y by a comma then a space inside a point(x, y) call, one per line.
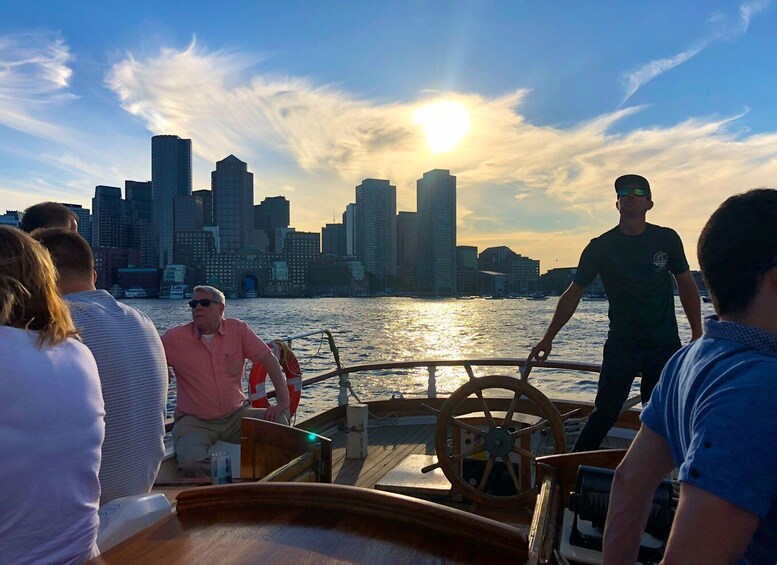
point(714, 405)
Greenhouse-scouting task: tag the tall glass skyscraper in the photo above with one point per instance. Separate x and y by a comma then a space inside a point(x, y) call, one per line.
point(171, 176)
point(376, 228)
point(436, 196)
point(233, 203)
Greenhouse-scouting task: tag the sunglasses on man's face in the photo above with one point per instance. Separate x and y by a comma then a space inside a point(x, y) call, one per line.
point(624, 192)
point(205, 302)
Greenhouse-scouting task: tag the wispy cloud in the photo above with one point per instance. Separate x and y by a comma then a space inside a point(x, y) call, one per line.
point(34, 75)
point(722, 26)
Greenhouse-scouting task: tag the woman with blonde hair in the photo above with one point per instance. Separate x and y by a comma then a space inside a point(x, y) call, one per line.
point(52, 418)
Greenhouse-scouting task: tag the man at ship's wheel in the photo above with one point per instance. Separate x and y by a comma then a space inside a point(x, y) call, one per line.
point(635, 261)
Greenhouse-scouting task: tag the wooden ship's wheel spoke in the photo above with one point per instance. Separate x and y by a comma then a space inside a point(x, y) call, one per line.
point(476, 450)
point(513, 476)
point(524, 452)
point(486, 473)
point(511, 409)
point(477, 432)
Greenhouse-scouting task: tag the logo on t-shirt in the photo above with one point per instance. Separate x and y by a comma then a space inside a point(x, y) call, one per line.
point(660, 260)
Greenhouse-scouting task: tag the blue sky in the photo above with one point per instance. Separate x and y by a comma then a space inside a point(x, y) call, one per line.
point(536, 107)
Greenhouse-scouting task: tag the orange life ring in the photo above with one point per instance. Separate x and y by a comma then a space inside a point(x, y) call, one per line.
point(291, 369)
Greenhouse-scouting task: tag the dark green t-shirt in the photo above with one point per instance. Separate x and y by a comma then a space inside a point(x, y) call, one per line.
point(635, 272)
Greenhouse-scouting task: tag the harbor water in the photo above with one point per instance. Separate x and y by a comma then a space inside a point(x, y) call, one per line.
point(393, 329)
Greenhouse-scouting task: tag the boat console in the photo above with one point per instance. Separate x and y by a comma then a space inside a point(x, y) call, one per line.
point(583, 520)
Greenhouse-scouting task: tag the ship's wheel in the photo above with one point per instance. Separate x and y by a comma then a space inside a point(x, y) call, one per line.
point(489, 455)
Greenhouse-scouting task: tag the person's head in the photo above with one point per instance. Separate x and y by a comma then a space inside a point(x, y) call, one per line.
point(28, 289)
point(207, 306)
point(48, 215)
point(72, 257)
point(738, 248)
point(634, 196)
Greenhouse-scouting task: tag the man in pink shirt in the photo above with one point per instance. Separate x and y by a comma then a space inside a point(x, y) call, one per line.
point(208, 357)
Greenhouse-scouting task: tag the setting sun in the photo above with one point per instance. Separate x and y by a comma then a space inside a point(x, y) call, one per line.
point(444, 123)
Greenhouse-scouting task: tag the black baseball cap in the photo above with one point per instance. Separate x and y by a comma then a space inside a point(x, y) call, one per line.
point(633, 181)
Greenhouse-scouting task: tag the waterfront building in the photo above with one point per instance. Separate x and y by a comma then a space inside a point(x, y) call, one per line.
point(376, 230)
point(252, 272)
point(220, 270)
point(436, 196)
point(524, 275)
point(279, 236)
point(108, 261)
point(556, 281)
point(136, 277)
point(171, 176)
point(466, 269)
point(140, 211)
point(233, 203)
point(109, 225)
point(188, 213)
point(490, 283)
point(207, 206)
point(272, 214)
point(84, 220)
point(10, 218)
point(329, 276)
point(407, 251)
point(523, 272)
point(300, 250)
point(349, 221)
point(192, 248)
point(333, 240)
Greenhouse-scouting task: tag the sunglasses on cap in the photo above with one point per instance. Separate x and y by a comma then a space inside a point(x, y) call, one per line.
point(623, 192)
point(205, 302)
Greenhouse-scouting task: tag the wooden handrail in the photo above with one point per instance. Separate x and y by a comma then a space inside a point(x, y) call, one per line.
point(481, 362)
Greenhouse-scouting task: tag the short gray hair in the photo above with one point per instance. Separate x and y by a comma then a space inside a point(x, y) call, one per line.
point(215, 294)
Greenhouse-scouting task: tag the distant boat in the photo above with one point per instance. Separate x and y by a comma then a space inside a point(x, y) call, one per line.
point(594, 297)
point(538, 296)
point(178, 291)
point(251, 293)
point(707, 299)
point(135, 292)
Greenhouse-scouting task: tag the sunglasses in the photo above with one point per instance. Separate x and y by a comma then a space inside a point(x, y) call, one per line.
point(624, 192)
point(205, 302)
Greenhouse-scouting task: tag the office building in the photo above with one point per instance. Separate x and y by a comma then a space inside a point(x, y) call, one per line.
point(333, 240)
point(272, 214)
point(109, 226)
point(188, 213)
point(466, 269)
point(349, 221)
point(233, 203)
point(436, 196)
point(84, 220)
point(407, 251)
point(140, 210)
point(171, 176)
point(375, 236)
point(207, 206)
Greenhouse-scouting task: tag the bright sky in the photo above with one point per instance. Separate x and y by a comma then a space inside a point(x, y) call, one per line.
point(536, 107)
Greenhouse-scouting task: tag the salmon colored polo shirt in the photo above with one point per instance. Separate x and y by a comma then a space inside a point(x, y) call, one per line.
point(209, 376)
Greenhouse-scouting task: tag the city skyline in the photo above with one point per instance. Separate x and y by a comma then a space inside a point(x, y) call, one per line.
point(534, 108)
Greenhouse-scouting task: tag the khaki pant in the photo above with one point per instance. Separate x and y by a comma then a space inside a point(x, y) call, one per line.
point(194, 437)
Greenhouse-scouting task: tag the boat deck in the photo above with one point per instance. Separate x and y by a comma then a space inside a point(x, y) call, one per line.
point(392, 441)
